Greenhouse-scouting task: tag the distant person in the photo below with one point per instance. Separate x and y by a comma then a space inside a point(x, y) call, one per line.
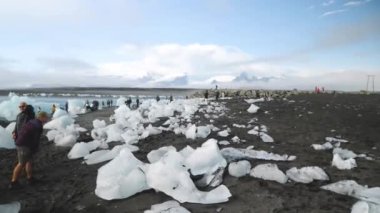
point(137, 102)
point(53, 109)
point(103, 104)
point(108, 103)
point(171, 98)
point(27, 144)
point(22, 118)
point(128, 102)
point(157, 98)
point(206, 94)
point(67, 106)
point(217, 94)
point(111, 102)
point(216, 87)
point(187, 97)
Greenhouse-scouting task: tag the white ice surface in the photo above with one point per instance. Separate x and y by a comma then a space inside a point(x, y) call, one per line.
point(171, 206)
point(269, 172)
point(341, 164)
point(223, 133)
point(170, 176)
point(156, 155)
point(239, 169)
point(324, 146)
point(81, 149)
point(233, 154)
point(253, 108)
point(251, 101)
point(106, 155)
point(121, 178)
point(13, 207)
point(6, 139)
point(307, 174)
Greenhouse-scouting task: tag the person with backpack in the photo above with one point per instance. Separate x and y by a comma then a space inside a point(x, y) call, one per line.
point(27, 144)
point(26, 114)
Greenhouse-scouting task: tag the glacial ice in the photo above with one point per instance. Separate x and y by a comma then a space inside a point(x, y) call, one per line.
point(223, 133)
point(205, 159)
point(122, 177)
point(13, 207)
point(171, 206)
point(251, 101)
point(324, 146)
point(307, 174)
point(239, 169)
point(170, 176)
point(234, 154)
point(6, 139)
point(191, 132)
point(203, 131)
point(81, 149)
point(269, 172)
point(106, 155)
point(344, 153)
point(156, 155)
point(335, 140)
point(76, 106)
point(253, 108)
point(341, 164)
point(365, 207)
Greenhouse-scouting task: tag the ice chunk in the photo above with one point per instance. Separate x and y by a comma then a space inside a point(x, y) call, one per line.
point(251, 101)
point(191, 132)
point(336, 140)
point(236, 139)
point(224, 143)
point(307, 174)
point(324, 146)
point(82, 149)
point(239, 169)
point(344, 153)
point(253, 108)
point(205, 159)
point(171, 206)
point(213, 179)
point(234, 154)
point(341, 164)
point(365, 207)
point(11, 127)
point(13, 207)
point(153, 130)
point(156, 155)
point(266, 138)
point(121, 178)
point(223, 133)
point(6, 139)
point(170, 176)
point(203, 131)
point(106, 155)
point(269, 171)
point(76, 106)
point(98, 124)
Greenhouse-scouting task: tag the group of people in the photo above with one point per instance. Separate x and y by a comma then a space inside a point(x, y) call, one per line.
point(128, 102)
point(27, 133)
point(318, 89)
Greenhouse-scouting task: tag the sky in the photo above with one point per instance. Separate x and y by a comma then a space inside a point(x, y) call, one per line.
point(269, 44)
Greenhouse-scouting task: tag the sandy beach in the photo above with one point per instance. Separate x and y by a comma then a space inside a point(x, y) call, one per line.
point(68, 185)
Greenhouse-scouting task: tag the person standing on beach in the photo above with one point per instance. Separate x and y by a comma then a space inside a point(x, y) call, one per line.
point(157, 98)
point(27, 144)
point(206, 94)
point(67, 106)
point(22, 118)
point(137, 102)
point(171, 98)
point(53, 109)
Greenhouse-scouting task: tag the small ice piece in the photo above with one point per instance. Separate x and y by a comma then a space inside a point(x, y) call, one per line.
point(205, 159)
point(121, 178)
point(13, 207)
point(332, 139)
point(203, 131)
point(106, 155)
point(269, 171)
point(352, 188)
point(156, 155)
point(253, 108)
point(233, 154)
point(213, 179)
point(224, 143)
point(191, 132)
point(223, 133)
point(170, 176)
point(365, 207)
point(236, 139)
point(251, 101)
point(171, 206)
point(266, 138)
point(239, 169)
point(253, 132)
point(341, 164)
point(324, 146)
point(153, 130)
point(82, 149)
point(239, 125)
point(344, 153)
point(307, 174)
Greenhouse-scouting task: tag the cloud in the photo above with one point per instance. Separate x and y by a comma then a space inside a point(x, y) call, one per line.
point(328, 3)
point(356, 3)
point(65, 64)
point(333, 12)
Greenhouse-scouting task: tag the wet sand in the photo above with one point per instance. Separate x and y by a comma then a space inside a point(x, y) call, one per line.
point(68, 185)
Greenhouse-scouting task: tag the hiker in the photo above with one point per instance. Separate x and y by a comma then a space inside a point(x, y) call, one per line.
point(206, 94)
point(26, 114)
point(27, 144)
point(53, 109)
point(137, 102)
point(128, 102)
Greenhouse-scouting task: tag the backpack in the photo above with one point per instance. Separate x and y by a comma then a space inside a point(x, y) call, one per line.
point(30, 112)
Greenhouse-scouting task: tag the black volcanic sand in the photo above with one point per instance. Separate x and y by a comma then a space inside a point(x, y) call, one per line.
point(68, 185)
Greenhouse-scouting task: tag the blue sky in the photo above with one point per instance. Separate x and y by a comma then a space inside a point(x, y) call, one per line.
point(171, 43)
